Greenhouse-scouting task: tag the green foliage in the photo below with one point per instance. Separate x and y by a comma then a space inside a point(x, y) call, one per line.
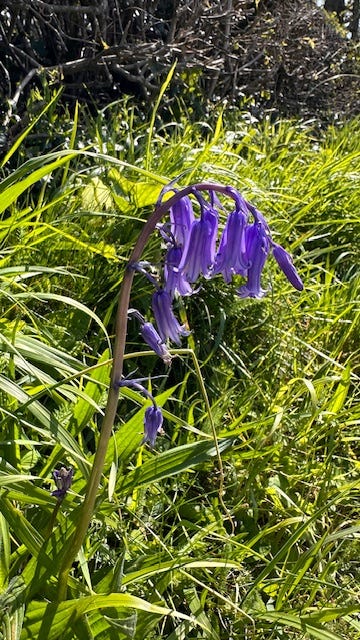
point(162, 558)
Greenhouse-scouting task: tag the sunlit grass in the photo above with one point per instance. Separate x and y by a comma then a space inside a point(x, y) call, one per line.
point(282, 376)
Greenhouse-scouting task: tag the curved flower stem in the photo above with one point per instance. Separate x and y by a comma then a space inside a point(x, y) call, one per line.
point(72, 549)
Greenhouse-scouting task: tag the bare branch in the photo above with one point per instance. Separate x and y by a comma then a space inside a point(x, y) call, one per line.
point(274, 52)
point(59, 8)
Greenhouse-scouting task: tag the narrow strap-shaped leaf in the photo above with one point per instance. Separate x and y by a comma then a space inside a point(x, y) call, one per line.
point(172, 462)
point(48, 621)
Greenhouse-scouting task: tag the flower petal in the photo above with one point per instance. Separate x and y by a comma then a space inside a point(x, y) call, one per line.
point(284, 260)
point(153, 420)
point(152, 338)
point(230, 256)
point(181, 218)
point(175, 281)
point(168, 326)
point(257, 249)
point(199, 251)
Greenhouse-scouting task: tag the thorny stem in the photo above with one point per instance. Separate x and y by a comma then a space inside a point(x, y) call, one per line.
point(87, 511)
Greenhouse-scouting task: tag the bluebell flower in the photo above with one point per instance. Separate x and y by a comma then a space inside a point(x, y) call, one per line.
point(153, 420)
point(175, 281)
point(153, 417)
point(152, 338)
point(256, 252)
point(231, 256)
point(199, 251)
point(284, 260)
point(168, 326)
point(63, 479)
point(181, 218)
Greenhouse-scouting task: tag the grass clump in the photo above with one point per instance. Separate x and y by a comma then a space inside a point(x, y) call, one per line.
point(162, 558)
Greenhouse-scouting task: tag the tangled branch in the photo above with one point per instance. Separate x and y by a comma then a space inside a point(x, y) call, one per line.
point(284, 54)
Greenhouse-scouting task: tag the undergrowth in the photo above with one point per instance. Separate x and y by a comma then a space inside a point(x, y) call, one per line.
point(162, 558)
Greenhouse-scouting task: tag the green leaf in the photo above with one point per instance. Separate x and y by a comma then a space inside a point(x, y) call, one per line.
point(298, 571)
point(32, 124)
point(83, 409)
point(97, 195)
point(328, 614)
point(12, 623)
point(5, 549)
point(25, 532)
point(301, 623)
point(172, 462)
point(54, 431)
point(178, 564)
point(124, 624)
point(340, 394)
point(9, 194)
point(67, 301)
point(140, 193)
point(49, 621)
point(163, 88)
point(298, 533)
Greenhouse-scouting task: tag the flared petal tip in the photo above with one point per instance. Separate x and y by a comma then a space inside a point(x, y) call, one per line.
point(245, 292)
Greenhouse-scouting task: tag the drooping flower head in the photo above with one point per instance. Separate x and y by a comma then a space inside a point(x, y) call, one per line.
point(152, 338)
point(153, 420)
point(231, 255)
point(199, 251)
point(175, 281)
point(284, 260)
point(181, 219)
point(243, 249)
point(256, 251)
point(153, 417)
point(166, 322)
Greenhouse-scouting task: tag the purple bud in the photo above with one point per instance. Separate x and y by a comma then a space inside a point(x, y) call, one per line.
point(175, 281)
point(284, 260)
point(152, 338)
point(256, 251)
point(168, 326)
point(199, 251)
point(181, 217)
point(153, 420)
point(63, 479)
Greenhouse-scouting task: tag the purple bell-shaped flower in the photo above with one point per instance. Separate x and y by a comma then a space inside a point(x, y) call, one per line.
point(257, 249)
point(284, 260)
point(153, 420)
point(199, 252)
point(168, 326)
